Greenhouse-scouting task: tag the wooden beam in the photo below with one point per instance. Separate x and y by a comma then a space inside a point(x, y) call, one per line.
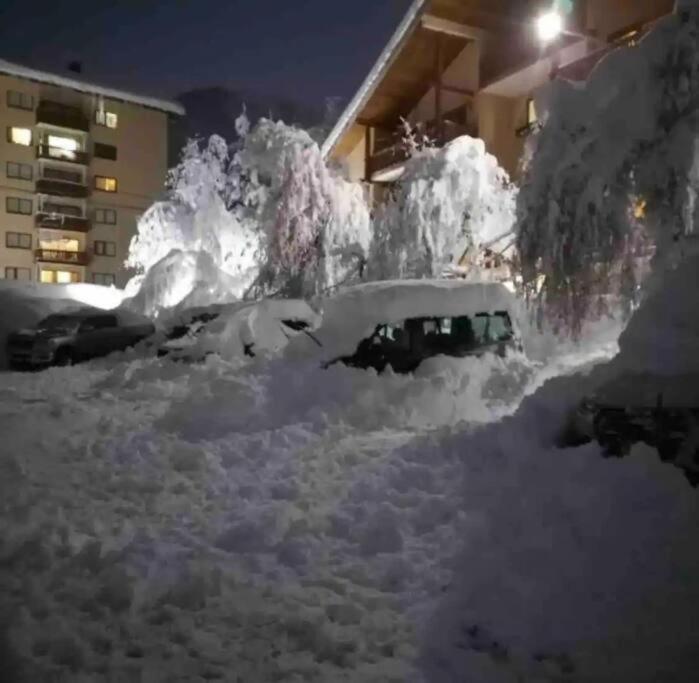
point(458, 89)
point(439, 70)
point(451, 28)
point(368, 152)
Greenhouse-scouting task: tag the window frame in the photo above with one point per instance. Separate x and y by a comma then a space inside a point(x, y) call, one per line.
point(104, 279)
point(105, 213)
point(23, 98)
point(19, 166)
point(102, 118)
point(21, 144)
point(103, 250)
point(20, 201)
point(106, 177)
point(111, 150)
point(19, 235)
point(17, 270)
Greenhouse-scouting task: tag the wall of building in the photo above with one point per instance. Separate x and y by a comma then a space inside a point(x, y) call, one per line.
point(606, 18)
point(140, 170)
point(499, 118)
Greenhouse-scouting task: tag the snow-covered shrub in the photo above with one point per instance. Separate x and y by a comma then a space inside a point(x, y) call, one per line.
point(447, 200)
point(613, 177)
point(316, 224)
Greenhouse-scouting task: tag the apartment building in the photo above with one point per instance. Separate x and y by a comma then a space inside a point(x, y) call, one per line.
point(79, 163)
point(474, 67)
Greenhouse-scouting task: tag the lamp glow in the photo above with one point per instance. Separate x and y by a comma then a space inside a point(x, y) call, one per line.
point(549, 26)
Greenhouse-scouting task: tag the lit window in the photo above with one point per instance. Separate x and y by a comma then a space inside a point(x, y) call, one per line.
point(106, 118)
point(61, 277)
point(639, 209)
point(61, 244)
point(532, 117)
point(19, 136)
point(105, 184)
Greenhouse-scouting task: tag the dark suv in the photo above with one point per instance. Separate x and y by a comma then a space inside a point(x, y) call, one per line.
point(404, 345)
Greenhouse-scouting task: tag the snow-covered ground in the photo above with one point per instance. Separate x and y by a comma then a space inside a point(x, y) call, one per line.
point(272, 521)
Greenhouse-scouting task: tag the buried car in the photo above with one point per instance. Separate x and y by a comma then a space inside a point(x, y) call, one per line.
point(235, 329)
point(660, 411)
point(402, 323)
point(71, 337)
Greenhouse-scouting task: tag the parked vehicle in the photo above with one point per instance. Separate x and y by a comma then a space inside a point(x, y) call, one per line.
point(402, 323)
point(236, 329)
point(68, 338)
point(661, 411)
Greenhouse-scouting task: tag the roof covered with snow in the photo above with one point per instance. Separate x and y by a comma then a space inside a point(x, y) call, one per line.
point(19, 71)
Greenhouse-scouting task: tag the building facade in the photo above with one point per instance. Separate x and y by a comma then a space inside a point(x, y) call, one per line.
point(79, 164)
point(456, 67)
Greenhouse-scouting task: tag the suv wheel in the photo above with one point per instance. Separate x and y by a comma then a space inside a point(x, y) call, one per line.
point(64, 357)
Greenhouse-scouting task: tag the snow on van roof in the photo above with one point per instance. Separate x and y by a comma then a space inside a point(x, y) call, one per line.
point(21, 71)
point(354, 313)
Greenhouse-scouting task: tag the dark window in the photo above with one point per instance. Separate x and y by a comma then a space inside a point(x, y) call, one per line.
point(65, 209)
point(105, 279)
point(103, 151)
point(18, 205)
point(105, 248)
point(62, 174)
point(105, 183)
point(98, 322)
point(18, 240)
point(107, 216)
point(20, 171)
point(20, 100)
point(13, 273)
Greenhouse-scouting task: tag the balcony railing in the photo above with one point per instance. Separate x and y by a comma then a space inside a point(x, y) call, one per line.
point(57, 114)
point(394, 150)
point(59, 154)
point(61, 221)
point(73, 258)
point(62, 188)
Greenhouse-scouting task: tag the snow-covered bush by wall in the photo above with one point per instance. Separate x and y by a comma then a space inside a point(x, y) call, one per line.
point(614, 177)
point(448, 200)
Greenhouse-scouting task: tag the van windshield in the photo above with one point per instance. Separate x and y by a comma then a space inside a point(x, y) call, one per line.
point(56, 323)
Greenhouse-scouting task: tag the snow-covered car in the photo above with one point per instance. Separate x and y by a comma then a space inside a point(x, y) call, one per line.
point(72, 337)
point(402, 323)
point(236, 329)
point(661, 411)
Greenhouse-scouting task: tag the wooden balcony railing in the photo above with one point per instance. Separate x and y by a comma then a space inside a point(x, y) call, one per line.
point(73, 258)
point(60, 221)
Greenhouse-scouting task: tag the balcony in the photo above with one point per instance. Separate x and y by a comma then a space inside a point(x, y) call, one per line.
point(59, 154)
point(57, 114)
point(72, 258)
point(392, 150)
point(61, 221)
point(62, 188)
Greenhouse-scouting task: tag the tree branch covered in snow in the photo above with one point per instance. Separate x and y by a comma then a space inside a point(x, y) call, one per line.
point(447, 201)
point(613, 172)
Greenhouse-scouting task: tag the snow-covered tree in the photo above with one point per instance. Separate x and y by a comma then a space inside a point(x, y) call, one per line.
point(447, 201)
point(613, 176)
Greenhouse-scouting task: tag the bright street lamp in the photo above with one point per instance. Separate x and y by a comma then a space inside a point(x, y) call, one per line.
point(549, 26)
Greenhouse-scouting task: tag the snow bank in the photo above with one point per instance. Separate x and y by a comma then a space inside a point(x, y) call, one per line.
point(23, 304)
point(354, 313)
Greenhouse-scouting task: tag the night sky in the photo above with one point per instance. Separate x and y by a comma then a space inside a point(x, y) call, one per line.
point(302, 49)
